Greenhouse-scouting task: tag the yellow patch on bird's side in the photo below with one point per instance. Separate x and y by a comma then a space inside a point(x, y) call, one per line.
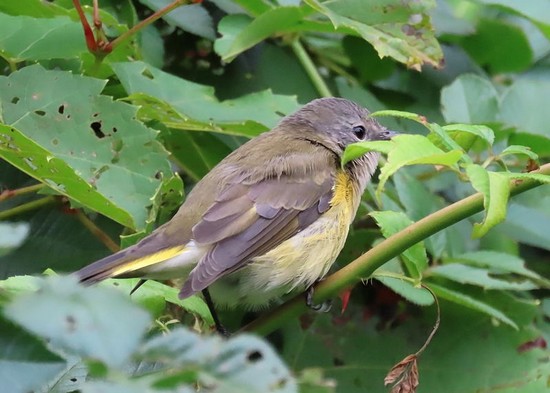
point(343, 193)
point(308, 255)
point(148, 260)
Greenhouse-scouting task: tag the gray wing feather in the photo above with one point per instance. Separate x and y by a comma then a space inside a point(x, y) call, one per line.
point(282, 207)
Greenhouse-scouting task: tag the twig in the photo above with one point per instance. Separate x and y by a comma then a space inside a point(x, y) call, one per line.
point(7, 194)
point(27, 207)
point(310, 68)
point(97, 231)
point(365, 265)
point(146, 22)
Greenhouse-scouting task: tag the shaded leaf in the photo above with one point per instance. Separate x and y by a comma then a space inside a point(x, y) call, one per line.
point(242, 363)
point(240, 32)
point(493, 43)
point(80, 320)
point(469, 99)
point(151, 290)
point(411, 293)
point(28, 38)
point(25, 362)
point(189, 17)
point(391, 222)
point(526, 96)
point(469, 302)
point(478, 276)
point(536, 10)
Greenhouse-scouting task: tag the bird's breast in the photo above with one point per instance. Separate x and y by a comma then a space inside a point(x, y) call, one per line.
point(304, 258)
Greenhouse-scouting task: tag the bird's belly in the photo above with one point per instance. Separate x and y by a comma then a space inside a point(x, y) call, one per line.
point(293, 265)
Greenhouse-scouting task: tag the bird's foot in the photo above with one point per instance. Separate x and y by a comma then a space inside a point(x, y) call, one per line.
point(322, 307)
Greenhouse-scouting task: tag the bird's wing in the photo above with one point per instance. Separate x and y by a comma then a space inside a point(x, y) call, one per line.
point(250, 218)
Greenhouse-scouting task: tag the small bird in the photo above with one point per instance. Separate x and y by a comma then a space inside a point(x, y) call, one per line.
point(269, 219)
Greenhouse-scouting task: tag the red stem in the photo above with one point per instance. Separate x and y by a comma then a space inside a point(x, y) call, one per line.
point(88, 33)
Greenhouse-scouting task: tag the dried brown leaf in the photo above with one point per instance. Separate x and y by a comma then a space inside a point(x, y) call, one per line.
point(403, 376)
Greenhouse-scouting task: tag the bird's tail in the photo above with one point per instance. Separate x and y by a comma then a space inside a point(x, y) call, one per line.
point(131, 262)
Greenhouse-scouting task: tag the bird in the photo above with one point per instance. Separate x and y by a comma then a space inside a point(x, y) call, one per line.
point(268, 220)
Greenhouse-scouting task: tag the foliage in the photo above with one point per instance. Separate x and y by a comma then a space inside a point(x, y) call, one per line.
point(92, 128)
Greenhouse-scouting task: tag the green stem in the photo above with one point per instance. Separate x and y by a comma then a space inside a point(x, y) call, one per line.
point(26, 207)
point(310, 68)
point(97, 231)
point(365, 265)
point(20, 191)
point(146, 22)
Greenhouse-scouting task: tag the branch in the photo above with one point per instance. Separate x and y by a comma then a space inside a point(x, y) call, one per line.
point(310, 68)
point(366, 264)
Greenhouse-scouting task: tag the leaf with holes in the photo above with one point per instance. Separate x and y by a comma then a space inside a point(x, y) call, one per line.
point(60, 130)
point(401, 30)
point(79, 320)
point(194, 106)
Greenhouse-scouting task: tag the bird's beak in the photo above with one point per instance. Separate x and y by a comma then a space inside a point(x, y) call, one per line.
point(386, 135)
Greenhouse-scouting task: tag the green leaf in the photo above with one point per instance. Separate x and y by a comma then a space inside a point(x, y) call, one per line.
point(478, 276)
point(411, 150)
point(243, 363)
point(356, 150)
point(413, 294)
point(538, 144)
point(193, 18)
point(80, 143)
point(525, 97)
point(28, 38)
point(152, 290)
point(519, 150)
point(415, 257)
point(495, 188)
point(419, 202)
point(80, 320)
point(196, 106)
point(25, 362)
point(469, 302)
point(493, 43)
point(497, 262)
point(536, 10)
point(405, 34)
point(195, 151)
point(36, 8)
point(469, 99)
point(240, 32)
point(483, 132)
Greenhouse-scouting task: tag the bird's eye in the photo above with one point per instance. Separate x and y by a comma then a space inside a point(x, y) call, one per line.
point(359, 132)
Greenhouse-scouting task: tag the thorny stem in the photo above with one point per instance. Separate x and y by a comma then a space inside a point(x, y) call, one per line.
point(366, 264)
point(97, 232)
point(7, 194)
point(26, 207)
point(310, 68)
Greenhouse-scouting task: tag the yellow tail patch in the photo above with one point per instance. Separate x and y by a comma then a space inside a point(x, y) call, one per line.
point(148, 260)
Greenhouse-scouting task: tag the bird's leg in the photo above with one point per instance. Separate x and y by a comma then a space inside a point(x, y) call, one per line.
point(138, 285)
point(219, 327)
point(322, 307)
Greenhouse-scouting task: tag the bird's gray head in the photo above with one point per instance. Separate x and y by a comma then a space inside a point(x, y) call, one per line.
point(336, 123)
